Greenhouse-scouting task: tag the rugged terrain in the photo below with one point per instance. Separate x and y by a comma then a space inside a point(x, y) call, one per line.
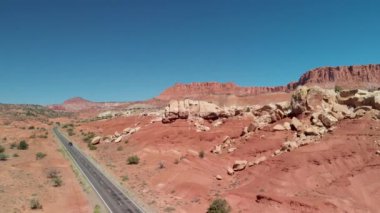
point(310, 146)
point(25, 171)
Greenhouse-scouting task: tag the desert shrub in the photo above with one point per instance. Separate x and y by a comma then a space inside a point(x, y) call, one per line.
point(23, 145)
point(2, 149)
point(31, 127)
point(52, 173)
point(124, 178)
point(97, 209)
point(43, 136)
point(35, 204)
point(40, 155)
point(32, 136)
point(134, 159)
point(3, 157)
point(91, 146)
point(120, 148)
point(13, 145)
point(201, 154)
point(219, 206)
point(57, 181)
point(88, 137)
point(15, 155)
point(338, 88)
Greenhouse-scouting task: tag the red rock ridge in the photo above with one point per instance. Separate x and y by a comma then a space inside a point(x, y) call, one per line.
point(363, 76)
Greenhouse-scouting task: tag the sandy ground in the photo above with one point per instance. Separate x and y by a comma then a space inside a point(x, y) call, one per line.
point(335, 175)
point(24, 177)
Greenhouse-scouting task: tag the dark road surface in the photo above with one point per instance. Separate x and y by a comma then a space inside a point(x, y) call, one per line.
point(113, 198)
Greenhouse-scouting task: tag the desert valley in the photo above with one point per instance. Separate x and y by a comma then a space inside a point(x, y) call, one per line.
point(312, 145)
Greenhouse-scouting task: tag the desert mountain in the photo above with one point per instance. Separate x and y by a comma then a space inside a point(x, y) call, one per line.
point(361, 76)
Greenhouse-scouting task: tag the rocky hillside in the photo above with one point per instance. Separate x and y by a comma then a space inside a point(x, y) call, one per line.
point(78, 104)
point(363, 76)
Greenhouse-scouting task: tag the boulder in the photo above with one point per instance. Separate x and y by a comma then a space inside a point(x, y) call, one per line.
point(296, 124)
point(217, 149)
point(287, 126)
point(260, 160)
point(355, 98)
point(312, 131)
point(96, 140)
point(342, 109)
point(298, 101)
point(289, 145)
point(327, 120)
point(218, 177)
point(201, 128)
point(239, 165)
point(311, 99)
point(230, 171)
point(279, 127)
point(118, 140)
point(232, 149)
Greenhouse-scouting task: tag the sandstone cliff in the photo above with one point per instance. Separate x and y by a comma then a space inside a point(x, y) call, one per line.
point(363, 76)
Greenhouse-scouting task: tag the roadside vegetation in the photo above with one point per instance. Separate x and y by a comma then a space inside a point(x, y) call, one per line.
point(219, 206)
point(133, 160)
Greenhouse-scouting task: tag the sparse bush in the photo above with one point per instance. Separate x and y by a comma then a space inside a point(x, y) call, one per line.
point(120, 148)
point(52, 173)
point(15, 155)
point(3, 157)
point(126, 141)
point(133, 159)
point(124, 178)
point(91, 146)
point(40, 155)
point(88, 137)
point(201, 154)
point(219, 206)
point(2, 149)
point(35, 204)
point(23, 145)
point(13, 145)
point(338, 89)
point(31, 127)
point(32, 136)
point(97, 209)
point(57, 181)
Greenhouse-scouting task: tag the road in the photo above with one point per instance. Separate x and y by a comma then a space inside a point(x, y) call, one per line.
point(113, 198)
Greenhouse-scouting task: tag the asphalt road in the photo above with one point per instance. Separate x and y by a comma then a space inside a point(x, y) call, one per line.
point(113, 198)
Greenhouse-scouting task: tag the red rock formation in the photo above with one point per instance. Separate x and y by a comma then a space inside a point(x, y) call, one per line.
point(364, 76)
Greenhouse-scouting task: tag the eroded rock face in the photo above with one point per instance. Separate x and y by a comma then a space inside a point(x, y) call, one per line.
point(182, 109)
point(306, 99)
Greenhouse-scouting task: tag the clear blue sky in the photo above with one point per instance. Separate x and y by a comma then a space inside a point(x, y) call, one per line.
point(120, 50)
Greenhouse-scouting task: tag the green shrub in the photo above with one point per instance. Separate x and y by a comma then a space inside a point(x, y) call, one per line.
point(91, 146)
point(52, 173)
point(338, 89)
point(97, 209)
point(124, 178)
point(23, 145)
point(35, 204)
point(13, 145)
point(40, 155)
point(57, 181)
point(201, 154)
point(3, 157)
point(2, 149)
point(133, 159)
point(219, 206)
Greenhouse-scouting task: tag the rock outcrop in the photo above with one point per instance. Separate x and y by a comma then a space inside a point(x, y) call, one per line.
point(184, 109)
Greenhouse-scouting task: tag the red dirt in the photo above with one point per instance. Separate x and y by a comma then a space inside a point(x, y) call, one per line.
point(337, 174)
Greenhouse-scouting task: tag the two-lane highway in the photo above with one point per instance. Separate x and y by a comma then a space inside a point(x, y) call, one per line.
point(113, 198)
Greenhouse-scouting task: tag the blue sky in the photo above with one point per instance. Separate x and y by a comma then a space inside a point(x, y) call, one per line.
point(114, 50)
